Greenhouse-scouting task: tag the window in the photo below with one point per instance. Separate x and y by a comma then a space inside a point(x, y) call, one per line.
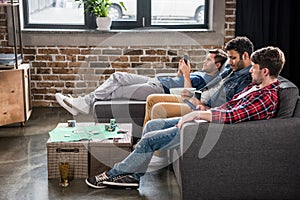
point(171, 14)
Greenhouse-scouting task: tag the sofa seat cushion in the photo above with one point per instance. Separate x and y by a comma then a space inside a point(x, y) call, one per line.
point(288, 95)
point(123, 110)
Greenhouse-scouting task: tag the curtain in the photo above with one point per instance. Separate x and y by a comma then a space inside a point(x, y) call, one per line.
point(272, 22)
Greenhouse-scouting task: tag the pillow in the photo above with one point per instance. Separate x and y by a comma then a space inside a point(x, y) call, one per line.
point(177, 91)
point(288, 95)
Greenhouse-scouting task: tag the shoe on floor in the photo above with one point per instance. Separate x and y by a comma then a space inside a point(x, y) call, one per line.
point(73, 105)
point(97, 181)
point(126, 181)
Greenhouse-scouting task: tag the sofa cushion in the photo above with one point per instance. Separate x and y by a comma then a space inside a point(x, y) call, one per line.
point(297, 109)
point(124, 111)
point(288, 95)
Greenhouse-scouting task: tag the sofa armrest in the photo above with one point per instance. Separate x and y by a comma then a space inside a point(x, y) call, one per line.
point(250, 160)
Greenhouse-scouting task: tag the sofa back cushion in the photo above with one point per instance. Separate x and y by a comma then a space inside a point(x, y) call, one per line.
point(288, 96)
point(297, 109)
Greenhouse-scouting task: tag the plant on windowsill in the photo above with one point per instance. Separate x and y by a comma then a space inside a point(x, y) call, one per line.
point(100, 9)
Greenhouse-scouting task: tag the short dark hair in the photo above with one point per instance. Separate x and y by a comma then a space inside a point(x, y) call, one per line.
point(240, 44)
point(269, 57)
point(220, 57)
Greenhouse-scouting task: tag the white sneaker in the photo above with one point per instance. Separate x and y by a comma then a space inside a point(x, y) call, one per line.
point(158, 161)
point(73, 105)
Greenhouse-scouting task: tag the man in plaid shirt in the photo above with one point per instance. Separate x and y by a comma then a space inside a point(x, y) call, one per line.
point(257, 101)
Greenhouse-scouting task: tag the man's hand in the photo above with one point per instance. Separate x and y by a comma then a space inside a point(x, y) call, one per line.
point(179, 72)
point(188, 117)
point(185, 93)
point(206, 115)
point(202, 107)
point(196, 101)
point(185, 68)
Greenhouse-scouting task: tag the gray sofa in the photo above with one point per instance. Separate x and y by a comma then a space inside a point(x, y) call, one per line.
point(124, 111)
point(250, 160)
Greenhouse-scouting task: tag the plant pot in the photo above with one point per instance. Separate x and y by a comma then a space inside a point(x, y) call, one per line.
point(103, 23)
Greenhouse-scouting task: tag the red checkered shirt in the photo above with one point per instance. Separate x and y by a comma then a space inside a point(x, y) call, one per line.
point(257, 105)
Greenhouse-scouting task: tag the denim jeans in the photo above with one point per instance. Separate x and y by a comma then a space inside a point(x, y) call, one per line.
point(158, 134)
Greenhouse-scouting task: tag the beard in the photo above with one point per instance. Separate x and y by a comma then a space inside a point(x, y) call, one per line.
point(257, 80)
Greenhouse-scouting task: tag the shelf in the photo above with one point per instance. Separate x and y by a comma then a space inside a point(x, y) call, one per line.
point(15, 95)
point(9, 3)
point(8, 61)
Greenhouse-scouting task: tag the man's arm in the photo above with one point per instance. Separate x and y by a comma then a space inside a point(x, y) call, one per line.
point(261, 106)
point(185, 71)
point(206, 115)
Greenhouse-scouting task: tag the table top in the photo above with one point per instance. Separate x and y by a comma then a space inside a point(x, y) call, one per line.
point(126, 140)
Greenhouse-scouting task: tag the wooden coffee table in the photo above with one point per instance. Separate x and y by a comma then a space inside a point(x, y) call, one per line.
point(88, 158)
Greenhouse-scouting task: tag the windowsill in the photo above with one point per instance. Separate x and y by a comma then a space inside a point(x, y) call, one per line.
point(136, 37)
point(141, 30)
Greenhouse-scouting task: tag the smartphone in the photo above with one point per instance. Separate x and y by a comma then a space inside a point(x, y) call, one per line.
point(192, 106)
point(186, 58)
point(198, 94)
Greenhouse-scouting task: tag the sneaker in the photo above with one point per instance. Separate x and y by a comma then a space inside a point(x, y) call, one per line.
point(158, 161)
point(60, 99)
point(73, 105)
point(122, 181)
point(97, 181)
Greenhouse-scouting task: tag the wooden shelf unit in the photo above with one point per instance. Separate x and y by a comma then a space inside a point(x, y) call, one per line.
point(15, 95)
point(14, 5)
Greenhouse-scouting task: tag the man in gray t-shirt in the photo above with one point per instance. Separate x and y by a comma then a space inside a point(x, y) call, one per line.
point(122, 85)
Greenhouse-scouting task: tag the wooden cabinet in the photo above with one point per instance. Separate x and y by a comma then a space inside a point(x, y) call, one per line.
point(15, 96)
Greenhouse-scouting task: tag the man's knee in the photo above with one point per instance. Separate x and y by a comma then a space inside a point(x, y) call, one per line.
point(158, 111)
point(152, 99)
point(153, 125)
point(117, 75)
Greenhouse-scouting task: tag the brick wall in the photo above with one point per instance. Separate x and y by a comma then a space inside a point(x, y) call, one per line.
point(79, 70)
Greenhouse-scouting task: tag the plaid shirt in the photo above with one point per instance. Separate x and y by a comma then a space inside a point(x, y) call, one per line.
point(257, 105)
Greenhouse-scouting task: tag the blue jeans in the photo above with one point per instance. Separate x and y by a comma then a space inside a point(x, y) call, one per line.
point(158, 134)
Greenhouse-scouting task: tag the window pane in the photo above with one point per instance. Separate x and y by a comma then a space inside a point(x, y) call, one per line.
point(177, 12)
point(55, 12)
point(117, 13)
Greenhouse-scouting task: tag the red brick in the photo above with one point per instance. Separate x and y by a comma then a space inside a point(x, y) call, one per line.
point(39, 64)
point(150, 59)
point(48, 51)
point(58, 64)
point(43, 71)
point(133, 52)
point(29, 51)
point(64, 71)
point(50, 77)
point(120, 65)
point(60, 58)
point(44, 57)
point(70, 51)
point(45, 84)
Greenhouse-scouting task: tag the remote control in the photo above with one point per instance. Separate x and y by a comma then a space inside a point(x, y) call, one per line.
point(192, 106)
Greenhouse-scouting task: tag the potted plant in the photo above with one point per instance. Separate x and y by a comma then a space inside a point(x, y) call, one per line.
point(100, 9)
